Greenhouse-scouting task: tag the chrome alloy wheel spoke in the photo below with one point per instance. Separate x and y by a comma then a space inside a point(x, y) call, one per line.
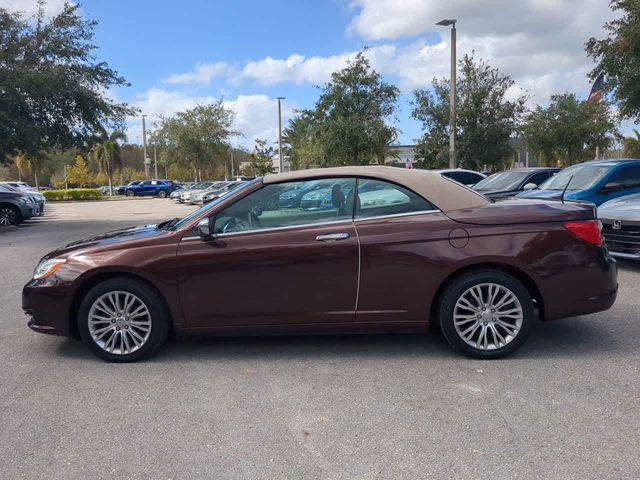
point(488, 316)
point(119, 322)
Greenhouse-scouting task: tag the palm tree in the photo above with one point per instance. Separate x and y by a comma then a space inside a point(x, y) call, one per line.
point(632, 145)
point(107, 151)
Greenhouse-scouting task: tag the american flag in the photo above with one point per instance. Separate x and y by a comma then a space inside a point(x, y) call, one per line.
point(596, 92)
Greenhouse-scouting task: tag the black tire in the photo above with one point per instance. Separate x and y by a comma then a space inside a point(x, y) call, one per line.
point(458, 288)
point(162, 193)
point(159, 316)
point(130, 193)
point(9, 215)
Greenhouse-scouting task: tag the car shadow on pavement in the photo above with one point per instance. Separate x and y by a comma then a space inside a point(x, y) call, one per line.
point(630, 265)
point(558, 339)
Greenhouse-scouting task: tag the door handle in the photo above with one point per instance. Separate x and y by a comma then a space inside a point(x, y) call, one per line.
point(332, 237)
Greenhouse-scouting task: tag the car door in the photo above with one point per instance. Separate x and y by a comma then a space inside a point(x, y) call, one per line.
point(271, 265)
point(144, 188)
point(404, 240)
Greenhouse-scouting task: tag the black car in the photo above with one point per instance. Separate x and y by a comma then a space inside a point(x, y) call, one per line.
point(511, 182)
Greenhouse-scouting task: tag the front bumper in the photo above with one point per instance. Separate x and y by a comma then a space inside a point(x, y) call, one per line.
point(624, 240)
point(47, 308)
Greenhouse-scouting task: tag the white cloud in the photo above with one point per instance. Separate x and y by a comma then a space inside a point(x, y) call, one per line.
point(203, 74)
point(30, 7)
point(256, 116)
point(540, 43)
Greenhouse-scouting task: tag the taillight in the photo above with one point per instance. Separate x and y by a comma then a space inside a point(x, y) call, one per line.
point(588, 230)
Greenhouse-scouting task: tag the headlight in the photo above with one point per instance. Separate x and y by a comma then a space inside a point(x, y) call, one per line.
point(47, 267)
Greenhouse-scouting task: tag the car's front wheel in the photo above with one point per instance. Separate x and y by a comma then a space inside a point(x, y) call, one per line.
point(486, 314)
point(162, 193)
point(129, 193)
point(123, 320)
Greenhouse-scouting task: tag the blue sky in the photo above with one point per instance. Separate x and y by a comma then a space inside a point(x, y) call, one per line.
point(179, 54)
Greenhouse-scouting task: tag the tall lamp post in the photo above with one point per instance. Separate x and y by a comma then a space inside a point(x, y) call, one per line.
point(452, 92)
point(280, 156)
point(147, 162)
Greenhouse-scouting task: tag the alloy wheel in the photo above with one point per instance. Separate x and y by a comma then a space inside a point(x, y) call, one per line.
point(119, 322)
point(7, 216)
point(488, 316)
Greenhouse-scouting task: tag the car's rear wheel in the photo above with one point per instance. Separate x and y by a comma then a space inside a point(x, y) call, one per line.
point(129, 193)
point(123, 320)
point(162, 194)
point(486, 314)
point(9, 215)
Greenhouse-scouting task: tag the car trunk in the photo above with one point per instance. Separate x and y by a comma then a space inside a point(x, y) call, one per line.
point(524, 211)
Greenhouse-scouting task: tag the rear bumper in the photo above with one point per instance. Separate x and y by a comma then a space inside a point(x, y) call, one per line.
point(590, 288)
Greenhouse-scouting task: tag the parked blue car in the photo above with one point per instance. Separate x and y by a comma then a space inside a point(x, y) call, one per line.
point(596, 182)
point(159, 188)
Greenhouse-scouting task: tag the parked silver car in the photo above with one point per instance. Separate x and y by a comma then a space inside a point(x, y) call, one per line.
point(621, 226)
point(197, 198)
point(185, 195)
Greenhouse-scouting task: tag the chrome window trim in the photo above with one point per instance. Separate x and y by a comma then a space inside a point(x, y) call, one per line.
point(273, 229)
point(394, 215)
point(320, 224)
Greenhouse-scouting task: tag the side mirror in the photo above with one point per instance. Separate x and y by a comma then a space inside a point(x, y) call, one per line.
point(204, 227)
point(530, 186)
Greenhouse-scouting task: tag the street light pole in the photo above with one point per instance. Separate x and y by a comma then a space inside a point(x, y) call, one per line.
point(144, 148)
point(452, 93)
point(155, 161)
point(280, 156)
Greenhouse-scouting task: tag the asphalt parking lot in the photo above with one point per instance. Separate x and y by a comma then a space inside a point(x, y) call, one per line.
point(567, 405)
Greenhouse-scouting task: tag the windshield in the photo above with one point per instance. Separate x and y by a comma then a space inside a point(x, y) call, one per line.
point(582, 177)
point(5, 187)
point(204, 208)
point(508, 180)
point(201, 185)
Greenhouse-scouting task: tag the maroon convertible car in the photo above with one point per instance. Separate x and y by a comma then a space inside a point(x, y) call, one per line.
point(367, 249)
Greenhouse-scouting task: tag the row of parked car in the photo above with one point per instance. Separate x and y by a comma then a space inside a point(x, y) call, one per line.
point(19, 202)
point(612, 185)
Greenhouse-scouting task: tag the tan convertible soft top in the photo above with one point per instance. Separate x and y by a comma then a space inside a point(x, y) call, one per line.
point(446, 194)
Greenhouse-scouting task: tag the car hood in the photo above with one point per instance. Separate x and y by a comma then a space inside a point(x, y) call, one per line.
point(624, 208)
point(109, 239)
point(498, 193)
point(551, 194)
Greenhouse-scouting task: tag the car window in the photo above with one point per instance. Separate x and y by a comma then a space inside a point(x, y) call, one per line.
point(538, 178)
point(508, 180)
point(289, 204)
point(146, 183)
point(628, 176)
point(578, 177)
point(384, 198)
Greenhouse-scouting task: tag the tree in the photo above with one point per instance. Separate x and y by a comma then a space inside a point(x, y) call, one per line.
point(631, 146)
point(107, 151)
point(618, 56)
point(486, 118)
point(299, 139)
point(261, 159)
point(197, 138)
point(53, 87)
point(79, 174)
point(351, 118)
point(568, 128)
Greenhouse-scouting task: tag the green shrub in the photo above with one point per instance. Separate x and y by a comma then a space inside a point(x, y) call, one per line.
point(73, 194)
